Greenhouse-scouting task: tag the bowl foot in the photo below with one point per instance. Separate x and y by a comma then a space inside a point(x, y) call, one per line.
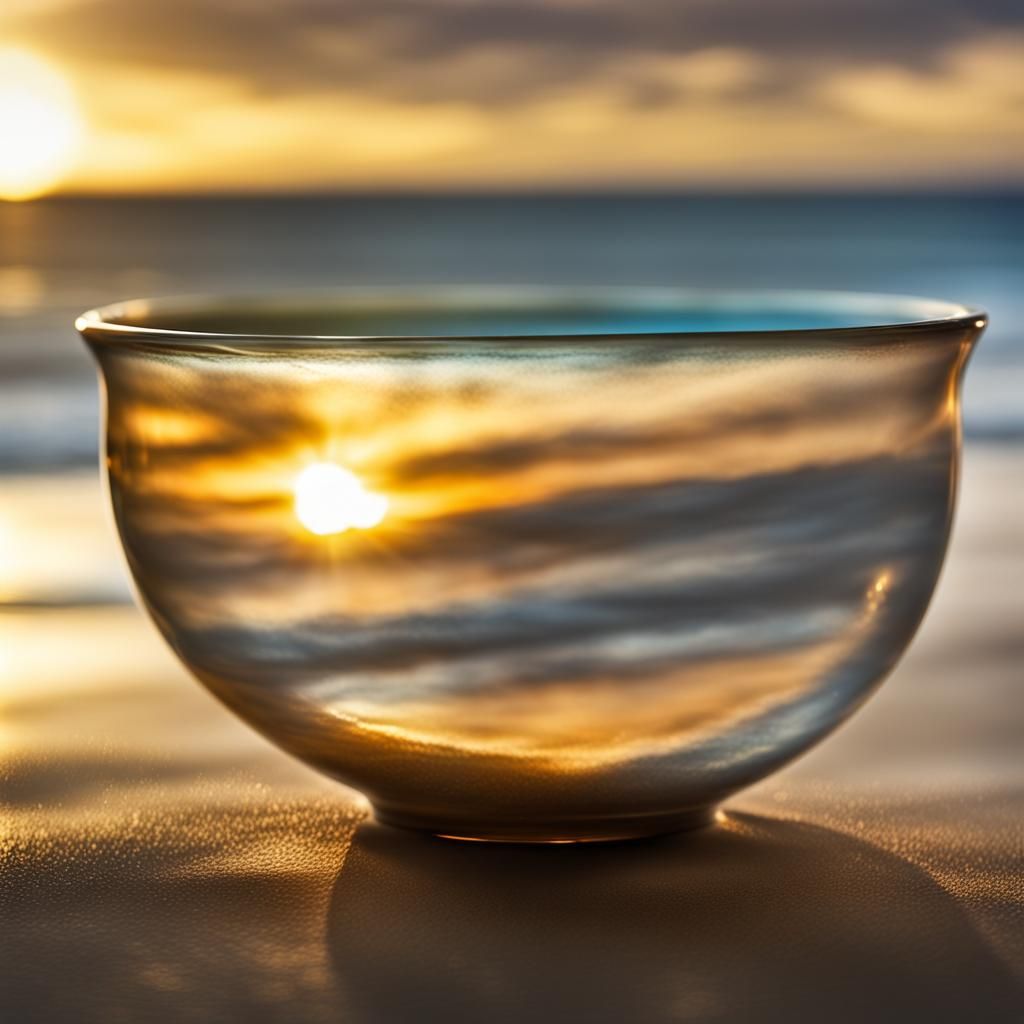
point(594, 830)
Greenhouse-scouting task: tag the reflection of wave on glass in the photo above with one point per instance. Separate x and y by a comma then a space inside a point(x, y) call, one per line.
point(600, 565)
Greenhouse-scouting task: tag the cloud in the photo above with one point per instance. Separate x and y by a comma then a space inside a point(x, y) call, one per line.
point(978, 83)
point(491, 52)
point(306, 93)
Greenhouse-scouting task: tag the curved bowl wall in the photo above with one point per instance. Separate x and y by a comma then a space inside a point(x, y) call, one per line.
point(579, 582)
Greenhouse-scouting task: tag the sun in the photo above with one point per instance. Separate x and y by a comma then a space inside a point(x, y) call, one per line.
point(40, 126)
point(331, 499)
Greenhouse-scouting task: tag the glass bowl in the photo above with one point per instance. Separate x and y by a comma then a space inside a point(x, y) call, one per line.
point(532, 564)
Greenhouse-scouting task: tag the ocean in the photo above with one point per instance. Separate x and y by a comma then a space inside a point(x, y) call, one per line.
point(61, 256)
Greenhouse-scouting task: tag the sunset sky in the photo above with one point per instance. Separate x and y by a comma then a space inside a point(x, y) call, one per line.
point(195, 95)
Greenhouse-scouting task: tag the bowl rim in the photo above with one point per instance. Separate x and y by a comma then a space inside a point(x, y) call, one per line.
point(112, 323)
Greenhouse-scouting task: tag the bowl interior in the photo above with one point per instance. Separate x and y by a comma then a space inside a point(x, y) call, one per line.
point(522, 312)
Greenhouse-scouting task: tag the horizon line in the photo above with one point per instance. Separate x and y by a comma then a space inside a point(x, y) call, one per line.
point(1010, 189)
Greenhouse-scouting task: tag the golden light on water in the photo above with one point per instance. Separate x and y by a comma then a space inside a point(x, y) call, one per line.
point(330, 499)
point(40, 126)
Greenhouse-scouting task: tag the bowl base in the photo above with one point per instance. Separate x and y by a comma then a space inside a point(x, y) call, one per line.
point(592, 830)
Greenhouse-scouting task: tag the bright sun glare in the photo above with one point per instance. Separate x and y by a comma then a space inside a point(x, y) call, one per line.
point(331, 499)
point(40, 126)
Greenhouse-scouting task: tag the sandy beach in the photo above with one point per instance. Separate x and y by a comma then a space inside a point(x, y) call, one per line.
point(139, 814)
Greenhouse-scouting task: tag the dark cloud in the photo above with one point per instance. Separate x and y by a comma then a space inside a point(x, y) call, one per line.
point(492, 53)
